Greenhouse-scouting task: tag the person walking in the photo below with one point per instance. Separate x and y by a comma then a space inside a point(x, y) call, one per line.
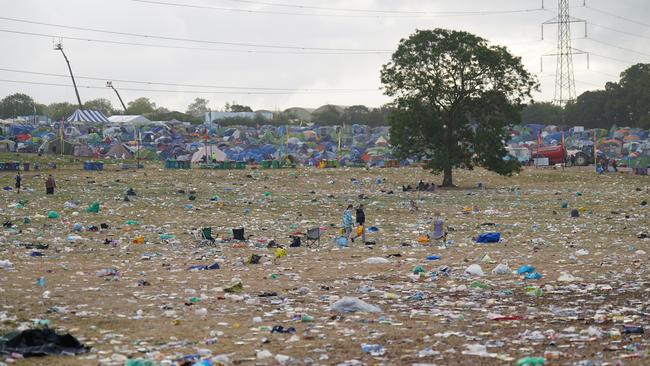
point(19, 180)
point(50, 184)
point(346, 222)
point(361, 223)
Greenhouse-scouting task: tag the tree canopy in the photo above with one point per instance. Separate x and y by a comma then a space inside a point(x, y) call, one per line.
point(19, 105)
point(455, 97)
point(57, 111)
point(100, 104)
point(198, 108)
point(626, 103)
point(545, 113)
point(240, 108)
point(140, 106)
point(327, 115)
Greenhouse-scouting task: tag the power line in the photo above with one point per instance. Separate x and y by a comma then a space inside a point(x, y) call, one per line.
point(620, 31)
point(138, 44)
point(354, 10)
point(619, 47)
point(187, 85)
point(614, 59)
point(606, 74)
point(378, 14)
point(179, 39)
point(617, 16)
point(588, 83)
point(165, 90)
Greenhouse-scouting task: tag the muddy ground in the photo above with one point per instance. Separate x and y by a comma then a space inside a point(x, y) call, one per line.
point(156, 309)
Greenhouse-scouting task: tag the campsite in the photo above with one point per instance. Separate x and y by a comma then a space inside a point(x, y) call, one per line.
point(324, 183)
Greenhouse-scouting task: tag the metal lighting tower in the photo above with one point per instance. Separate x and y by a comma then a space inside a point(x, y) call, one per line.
point(109, 84)
point(59, 47)
point(565, 84)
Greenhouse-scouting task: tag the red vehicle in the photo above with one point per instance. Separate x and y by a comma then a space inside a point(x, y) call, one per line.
point(555, 154)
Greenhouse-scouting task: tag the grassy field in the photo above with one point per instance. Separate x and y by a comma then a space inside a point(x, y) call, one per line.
point(426, 319)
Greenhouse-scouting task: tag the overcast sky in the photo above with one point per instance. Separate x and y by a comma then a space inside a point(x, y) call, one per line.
point(619, 35)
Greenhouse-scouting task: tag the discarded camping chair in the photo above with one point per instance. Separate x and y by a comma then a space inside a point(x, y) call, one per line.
point(206, 236)
point(238, 234)
point(312, 237)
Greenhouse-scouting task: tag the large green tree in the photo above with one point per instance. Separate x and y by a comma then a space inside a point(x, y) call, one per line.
point(198, 108)
point(240, 108)
point(356, 114)
point(544, 113)
point(589, 110)
point(141, 106)
point(635, 92)
point(455, 97)
point(327, 115)
point(379, 116)
point(57, 111)
point(100, 104)
point(623, 103)
point(19, 105)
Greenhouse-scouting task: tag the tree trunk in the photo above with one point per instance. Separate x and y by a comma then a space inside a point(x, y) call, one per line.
point(446, 180)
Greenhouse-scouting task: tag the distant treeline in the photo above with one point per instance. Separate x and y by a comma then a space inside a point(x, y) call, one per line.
point(623, 103)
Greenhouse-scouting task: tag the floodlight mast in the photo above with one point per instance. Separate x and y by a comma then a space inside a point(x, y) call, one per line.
point(59, 47)
point(109, 84)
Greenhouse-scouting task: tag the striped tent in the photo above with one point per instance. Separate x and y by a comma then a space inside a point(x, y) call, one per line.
point(87, 115)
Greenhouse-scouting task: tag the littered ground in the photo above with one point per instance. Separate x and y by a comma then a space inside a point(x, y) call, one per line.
point(430, 319)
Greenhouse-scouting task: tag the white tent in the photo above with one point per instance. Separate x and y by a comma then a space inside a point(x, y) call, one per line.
point(87, 115)
point(129, 120)
point(211, 150)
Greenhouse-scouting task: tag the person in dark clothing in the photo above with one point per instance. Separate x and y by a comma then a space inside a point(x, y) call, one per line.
point(50, 184)
point(573, 160)
point(421, 186)
point(361, 223)
point(19, 180)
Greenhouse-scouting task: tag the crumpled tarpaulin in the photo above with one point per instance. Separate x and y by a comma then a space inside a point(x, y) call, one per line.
point(40, 342)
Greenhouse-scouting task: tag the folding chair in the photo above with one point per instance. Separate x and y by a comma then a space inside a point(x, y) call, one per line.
point(206, 234)
point(206, 237)
point(313, 237)
point(238, 234)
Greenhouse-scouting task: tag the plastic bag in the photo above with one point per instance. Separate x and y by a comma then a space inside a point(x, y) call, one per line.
point(353, 304)
point(474, 270)
point(93, 208)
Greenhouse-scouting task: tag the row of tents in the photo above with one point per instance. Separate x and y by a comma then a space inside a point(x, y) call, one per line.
point(87, 133)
